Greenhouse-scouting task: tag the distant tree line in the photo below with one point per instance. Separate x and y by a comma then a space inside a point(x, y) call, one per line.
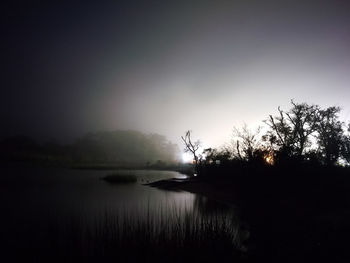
point(118, 147)
point(304, 134)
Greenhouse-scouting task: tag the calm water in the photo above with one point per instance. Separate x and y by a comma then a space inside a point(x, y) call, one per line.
point(32, 198)
point(31, 194)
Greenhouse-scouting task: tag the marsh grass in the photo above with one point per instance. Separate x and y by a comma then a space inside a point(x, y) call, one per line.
point(174, 237)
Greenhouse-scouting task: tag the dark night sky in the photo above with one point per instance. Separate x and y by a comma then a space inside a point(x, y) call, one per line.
point(168, 66)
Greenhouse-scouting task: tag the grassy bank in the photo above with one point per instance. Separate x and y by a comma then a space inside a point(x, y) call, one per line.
point(295, 215)
point(177, 237)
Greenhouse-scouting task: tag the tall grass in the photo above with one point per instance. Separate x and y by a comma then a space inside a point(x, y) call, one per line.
point(174, 237)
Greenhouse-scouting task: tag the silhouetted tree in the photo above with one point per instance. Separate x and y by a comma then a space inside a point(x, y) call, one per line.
point(212, 155)
point(345, 152)
point(290, 131)
point(193, 148)
point(330, 135)
point(247, 143)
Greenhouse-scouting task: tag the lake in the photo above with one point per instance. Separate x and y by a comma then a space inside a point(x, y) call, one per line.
point(33, 199)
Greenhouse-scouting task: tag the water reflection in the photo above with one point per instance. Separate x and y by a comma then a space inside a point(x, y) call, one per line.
point(35, 198)
point(208, 206)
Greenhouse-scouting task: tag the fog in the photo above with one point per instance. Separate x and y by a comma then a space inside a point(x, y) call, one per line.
point(166, 67)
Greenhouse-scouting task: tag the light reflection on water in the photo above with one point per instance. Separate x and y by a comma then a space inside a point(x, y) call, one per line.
point(35, 197)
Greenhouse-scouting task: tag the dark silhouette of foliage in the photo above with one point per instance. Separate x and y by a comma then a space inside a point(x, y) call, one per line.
point(307, 133)
point(290, 132)
point(212, 155)
point(345, 151)
point(303, 135)
point(330, 135)
point(247, 144)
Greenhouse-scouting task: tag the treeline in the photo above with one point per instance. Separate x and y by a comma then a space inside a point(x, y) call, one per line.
point(105, 147)
point(304, 134)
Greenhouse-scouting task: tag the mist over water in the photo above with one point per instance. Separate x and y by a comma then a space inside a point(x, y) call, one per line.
point(168, 67)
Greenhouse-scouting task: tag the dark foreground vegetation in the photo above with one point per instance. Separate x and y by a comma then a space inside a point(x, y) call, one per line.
point(177, 237)
point(290, 179)
point(299, 214)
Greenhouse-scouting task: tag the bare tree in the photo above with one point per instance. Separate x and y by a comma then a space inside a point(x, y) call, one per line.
point(246, 142)
point(280, 132)
point(193, 148)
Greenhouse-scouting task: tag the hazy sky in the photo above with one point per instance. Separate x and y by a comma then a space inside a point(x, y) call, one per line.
point(168, 66)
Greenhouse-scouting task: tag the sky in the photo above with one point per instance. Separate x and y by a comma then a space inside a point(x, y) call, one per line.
point(168, 66)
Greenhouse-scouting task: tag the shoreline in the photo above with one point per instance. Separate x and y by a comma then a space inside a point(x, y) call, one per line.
point(303, 224)
point(196, 186)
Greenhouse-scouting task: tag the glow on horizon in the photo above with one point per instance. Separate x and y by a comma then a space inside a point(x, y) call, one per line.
point(187, 158)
